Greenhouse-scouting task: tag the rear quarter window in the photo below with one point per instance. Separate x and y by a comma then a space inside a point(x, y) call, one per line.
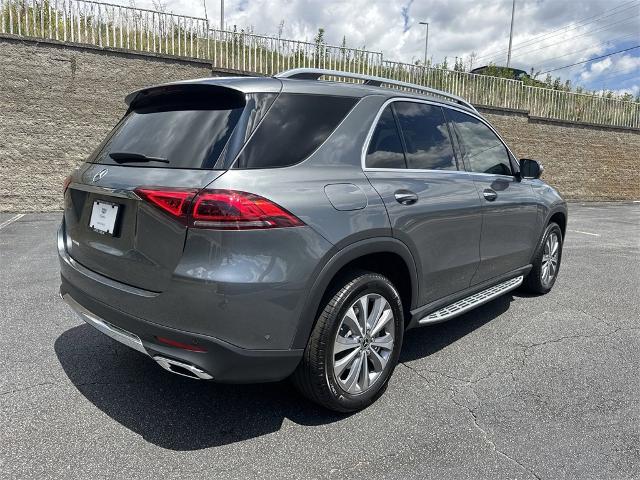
point(295, 126)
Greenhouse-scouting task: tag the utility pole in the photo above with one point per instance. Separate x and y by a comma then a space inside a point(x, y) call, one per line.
point(222, 14)
point(513, 12)
point(426, 42)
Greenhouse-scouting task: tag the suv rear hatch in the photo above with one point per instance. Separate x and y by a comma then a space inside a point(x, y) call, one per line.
point(177, 136)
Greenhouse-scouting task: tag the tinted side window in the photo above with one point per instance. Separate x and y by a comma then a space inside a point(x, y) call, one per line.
point(293, 128)
point(426, 136)
point(385, 147)
point(482, 150)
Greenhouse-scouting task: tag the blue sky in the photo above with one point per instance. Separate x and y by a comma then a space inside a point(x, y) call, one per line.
point(548, 33)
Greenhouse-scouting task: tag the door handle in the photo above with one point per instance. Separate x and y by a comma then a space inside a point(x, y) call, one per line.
point(489, 194)
point(406, 197)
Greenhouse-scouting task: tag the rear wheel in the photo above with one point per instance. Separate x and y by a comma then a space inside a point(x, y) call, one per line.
point(355, 344)
point(546, 262)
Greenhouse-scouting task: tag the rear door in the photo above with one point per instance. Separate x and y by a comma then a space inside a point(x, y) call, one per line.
point(509, 207)
point(171, 140)
point(433, 206)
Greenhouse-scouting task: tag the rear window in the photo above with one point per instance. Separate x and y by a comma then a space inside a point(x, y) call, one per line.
point(295, 126)
point(183, 134)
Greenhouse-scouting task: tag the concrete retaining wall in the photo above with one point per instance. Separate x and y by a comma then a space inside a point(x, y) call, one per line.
point(57, 101)
point(583, 162)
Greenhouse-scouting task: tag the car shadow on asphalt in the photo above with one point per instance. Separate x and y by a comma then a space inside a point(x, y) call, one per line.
point(425, 341)
point(182, 414)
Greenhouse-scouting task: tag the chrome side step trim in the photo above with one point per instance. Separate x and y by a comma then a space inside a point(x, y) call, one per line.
point(191, 370)
point(471, 302)
point(117, 333)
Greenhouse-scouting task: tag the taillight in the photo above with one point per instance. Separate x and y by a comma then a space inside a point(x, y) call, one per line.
point(175, 202)
point(65, 184)
point(219, 209)
point(233, 210)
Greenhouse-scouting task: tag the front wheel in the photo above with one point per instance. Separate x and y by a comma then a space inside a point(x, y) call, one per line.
point(546, 262)
point(355, 344)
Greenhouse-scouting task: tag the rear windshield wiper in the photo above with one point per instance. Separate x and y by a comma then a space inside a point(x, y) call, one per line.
point(127, 157)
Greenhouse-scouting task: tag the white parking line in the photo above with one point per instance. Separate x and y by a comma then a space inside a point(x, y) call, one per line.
point(585, 233)
point(11, 220)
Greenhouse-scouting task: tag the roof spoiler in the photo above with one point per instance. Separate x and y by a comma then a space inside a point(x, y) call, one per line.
point(201, 95)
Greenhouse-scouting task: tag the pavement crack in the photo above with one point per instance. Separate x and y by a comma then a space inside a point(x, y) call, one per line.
point(527, 346)
point(28, 387)
point(470, 384)
point(490, 442)
point(416, 372)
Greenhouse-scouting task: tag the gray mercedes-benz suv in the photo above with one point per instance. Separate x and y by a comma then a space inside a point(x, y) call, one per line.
point(253, 229)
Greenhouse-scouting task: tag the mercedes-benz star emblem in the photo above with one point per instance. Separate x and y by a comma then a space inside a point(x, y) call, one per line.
point(100, 174)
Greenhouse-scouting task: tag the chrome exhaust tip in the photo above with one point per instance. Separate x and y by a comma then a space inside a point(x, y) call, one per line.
point(183, 369)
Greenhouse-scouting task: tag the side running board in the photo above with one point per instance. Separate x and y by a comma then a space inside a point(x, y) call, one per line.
point(471, 302)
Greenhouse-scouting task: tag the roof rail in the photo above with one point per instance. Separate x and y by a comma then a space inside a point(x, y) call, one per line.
point(316, 73)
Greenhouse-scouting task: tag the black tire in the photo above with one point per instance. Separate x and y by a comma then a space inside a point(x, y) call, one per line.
point(534, 282)
point(315, 377)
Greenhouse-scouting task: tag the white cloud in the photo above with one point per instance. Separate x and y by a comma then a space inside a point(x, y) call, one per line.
point(627, 63)
point(633, 90)
point(620, 64)
point(596, 69)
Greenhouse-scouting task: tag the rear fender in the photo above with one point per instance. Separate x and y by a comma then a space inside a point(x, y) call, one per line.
point(339, 260)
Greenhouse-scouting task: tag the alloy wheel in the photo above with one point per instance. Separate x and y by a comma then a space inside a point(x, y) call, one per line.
point(364, 343)
point(550, 259)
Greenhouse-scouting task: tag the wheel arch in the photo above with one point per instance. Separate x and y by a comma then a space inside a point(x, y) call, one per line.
point(559, 217)
point(557, 214)
point(374, 254)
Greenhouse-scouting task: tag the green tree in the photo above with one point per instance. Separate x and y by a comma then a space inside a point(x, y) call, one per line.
point(320, 47)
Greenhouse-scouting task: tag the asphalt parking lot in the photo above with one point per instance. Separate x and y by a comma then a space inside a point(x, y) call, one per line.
point(524, 387)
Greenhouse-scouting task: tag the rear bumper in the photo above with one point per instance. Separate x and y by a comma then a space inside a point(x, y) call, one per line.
point(221, 362)
point(247, 289)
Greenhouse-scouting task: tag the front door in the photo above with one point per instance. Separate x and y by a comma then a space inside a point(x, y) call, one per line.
point(509, 207)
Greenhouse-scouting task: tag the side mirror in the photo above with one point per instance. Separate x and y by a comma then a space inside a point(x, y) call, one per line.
point(530, 168)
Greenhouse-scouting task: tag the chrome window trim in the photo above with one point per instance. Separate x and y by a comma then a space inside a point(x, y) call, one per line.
point(374, 124)
point(413, 170)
